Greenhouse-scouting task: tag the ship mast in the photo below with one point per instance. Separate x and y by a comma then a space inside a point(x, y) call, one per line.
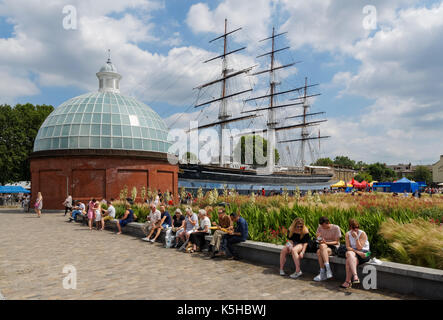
point(224, 116)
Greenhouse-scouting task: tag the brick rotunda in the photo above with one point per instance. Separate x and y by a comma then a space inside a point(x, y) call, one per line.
point(95, 144)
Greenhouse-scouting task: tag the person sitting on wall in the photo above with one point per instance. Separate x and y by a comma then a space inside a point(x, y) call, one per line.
point(172, 233)
point(151, 221)
point(222, 228)
point(197, 238)
point(189, 225)
point(328, 237)
point(79, 209)
point(128, 217)
point(298, 238)
point(357, 246)
point(240, 234)
point(162, 224)
point(109, 214)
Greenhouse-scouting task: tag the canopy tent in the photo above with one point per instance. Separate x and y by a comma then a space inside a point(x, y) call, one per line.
point(403, 185)
point(13, 189)
point(372, 183)
point(341, 184)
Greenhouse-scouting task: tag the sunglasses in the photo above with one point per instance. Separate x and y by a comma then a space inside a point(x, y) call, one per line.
point(298, 227)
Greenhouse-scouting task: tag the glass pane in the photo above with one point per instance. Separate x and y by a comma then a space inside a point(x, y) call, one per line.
point(136, 132)
point(117, 143)
point(73, 142)
point(127, 143)
point(84, 129)
point(57, 131)
point(106, 118)
point(83, 142)
point(115, 109)
point(65, 131)
point(106, 130)
point(138, 145)
point(64, 143)
point(147, 145)
point(96, 118)
point(144, 133)
point(106, 142)
point(125, 119)
point(55, 143)
point(95, 142)
point(154, 146)
point(75, 129)
point(116, 119)
point(98, 108)
point(95, 130)
point(87, 118)
point(117, 131)
point(78, 118)
point(106, 108)
point(50, 131)
point(89, 107)
point(127, 131)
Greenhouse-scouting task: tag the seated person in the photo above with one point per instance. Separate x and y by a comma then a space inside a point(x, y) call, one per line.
point(224, 223)
point(197, 238)
point(109, 214)
point(159, 225)
point(298, 238)
point(189, 225)
point(240, 234)
point(177, 225)
point(357, 245)
point(151, 220)
point(128, 217)
point(80, 208)
point(328, 237)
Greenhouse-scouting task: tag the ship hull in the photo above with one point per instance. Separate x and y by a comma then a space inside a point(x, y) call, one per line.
point(196, 176)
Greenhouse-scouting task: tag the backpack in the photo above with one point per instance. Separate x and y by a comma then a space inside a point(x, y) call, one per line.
point(341, 251)
point(169, 238)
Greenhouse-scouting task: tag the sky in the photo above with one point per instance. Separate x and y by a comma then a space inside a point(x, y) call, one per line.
point(378, 63)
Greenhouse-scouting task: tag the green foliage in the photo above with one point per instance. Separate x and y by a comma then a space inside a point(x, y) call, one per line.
point(344, 161)
point(325, 162)
point(18, 128)
point(422, 173)
point(380, 172)
point(363, 176)
point(246, 149)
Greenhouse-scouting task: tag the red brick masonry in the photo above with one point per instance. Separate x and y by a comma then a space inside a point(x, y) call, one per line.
point(99, 174)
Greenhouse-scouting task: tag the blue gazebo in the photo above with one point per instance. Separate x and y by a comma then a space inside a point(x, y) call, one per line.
point(404, 184)
point(13, 189)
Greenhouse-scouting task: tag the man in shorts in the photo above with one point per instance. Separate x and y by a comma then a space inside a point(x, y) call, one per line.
point(151, 221)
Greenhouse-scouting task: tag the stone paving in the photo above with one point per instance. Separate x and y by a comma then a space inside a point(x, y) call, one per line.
point(34, 251)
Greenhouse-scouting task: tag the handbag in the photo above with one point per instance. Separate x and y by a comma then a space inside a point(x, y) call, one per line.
point(312, 245)
point(341, 251)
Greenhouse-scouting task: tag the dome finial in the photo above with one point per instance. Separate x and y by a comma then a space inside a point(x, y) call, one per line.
point(109, 56)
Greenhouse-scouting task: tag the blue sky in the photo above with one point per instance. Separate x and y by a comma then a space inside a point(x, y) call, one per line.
point(381, 88)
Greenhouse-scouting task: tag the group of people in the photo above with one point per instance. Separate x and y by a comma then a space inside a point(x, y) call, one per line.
point(93, 211)
point(326, 244)
point(188, 231)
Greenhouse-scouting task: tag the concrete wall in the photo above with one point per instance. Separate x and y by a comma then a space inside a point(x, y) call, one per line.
point(400, 278)
point(437, 171)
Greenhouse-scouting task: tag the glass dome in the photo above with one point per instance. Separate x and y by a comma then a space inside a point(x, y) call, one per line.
point(103, 120)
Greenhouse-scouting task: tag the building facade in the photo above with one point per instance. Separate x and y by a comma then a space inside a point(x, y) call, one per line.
point(437, 171)
point(95, 145)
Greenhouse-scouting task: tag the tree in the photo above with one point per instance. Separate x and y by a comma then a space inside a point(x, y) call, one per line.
point(18, 128)
point(380, 172)
point(189, 157)
point(325, 162)
point(246, 149)
point(344, 161)
point(422, 173)
point(363, 176)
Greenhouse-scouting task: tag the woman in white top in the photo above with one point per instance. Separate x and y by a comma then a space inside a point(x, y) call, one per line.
point(197, 238)
point(357, 245)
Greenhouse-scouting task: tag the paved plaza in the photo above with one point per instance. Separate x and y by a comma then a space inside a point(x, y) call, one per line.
point(34, 251)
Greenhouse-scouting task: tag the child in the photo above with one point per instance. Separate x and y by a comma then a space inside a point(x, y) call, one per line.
point(98, 216)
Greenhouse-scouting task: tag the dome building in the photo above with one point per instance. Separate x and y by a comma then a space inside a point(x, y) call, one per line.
point(94, 145)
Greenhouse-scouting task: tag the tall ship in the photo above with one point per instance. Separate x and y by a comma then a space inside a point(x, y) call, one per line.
point(247, 160)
